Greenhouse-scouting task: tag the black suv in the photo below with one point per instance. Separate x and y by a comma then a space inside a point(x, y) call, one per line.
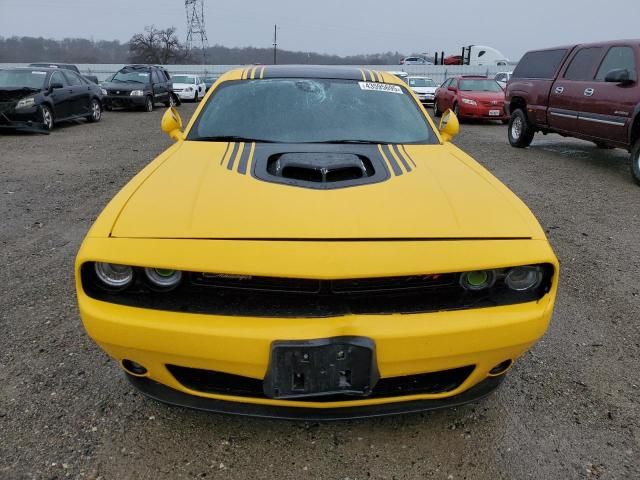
point(139, 86)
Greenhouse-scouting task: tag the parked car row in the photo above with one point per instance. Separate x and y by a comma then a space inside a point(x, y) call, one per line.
point(37, 97)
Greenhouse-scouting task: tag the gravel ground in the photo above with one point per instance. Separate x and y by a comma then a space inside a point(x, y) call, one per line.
point(568, 409)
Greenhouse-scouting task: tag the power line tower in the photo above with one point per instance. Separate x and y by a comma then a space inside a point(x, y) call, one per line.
point(196, 33)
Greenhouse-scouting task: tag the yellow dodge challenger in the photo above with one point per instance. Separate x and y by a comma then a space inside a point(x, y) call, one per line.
point(313, 247)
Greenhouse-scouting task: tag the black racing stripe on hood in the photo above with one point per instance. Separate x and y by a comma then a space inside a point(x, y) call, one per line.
point(233, 156)
point(391, 160)
point(407, 167)
point(225, 153)
point(407, 155)
point(244, 158)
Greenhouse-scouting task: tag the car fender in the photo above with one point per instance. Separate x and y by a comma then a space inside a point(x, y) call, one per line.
point(634, 128)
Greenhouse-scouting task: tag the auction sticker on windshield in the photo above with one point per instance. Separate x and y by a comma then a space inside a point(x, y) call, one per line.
point(380, 87)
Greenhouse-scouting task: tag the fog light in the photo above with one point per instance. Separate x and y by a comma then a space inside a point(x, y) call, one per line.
point(163, 278)
point(501, 368)
point(133, 368)
point(114, 276)
point(522, 279)
point(478, 280)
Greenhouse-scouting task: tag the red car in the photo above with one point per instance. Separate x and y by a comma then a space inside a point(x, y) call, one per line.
point(471, 97)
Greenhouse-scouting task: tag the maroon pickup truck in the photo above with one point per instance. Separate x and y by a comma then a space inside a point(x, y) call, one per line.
point(584, 91)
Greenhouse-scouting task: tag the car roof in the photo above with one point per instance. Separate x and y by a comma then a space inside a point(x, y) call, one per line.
point(420, 76)
point(28, 69)
point(312, 71)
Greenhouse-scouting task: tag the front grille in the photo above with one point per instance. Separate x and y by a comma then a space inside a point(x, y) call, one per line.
point(256, 296)
point(7, 106)
point(208, 381)
point(494, 105)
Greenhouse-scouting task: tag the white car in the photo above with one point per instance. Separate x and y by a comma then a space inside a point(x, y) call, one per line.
point(503, 78)
point(188, 87)
point(401, 75)
point(424, 88)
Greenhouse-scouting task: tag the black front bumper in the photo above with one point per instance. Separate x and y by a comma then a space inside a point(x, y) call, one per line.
point(27, 121)
point(124, 102)
point(170, 396)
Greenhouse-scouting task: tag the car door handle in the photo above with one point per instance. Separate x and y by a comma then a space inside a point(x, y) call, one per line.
point(559, 90)
point(589, 92)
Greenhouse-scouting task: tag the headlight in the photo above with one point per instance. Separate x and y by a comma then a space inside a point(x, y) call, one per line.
point(137, 93)
point(162, 278)
point(26, 102)
point(103, 91)
point(189, 89)
point(468, 101)
point(114, 276)
point(478, 280)
point(522, 279)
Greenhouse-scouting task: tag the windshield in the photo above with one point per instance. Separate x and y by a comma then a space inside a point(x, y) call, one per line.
point(289, 110)
point(480, 86)
point(421, 82)
point(22, 78)
point(131, 76)
point(183, 79)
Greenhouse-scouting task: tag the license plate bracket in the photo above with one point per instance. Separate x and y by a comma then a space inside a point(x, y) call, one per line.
point(321, 367)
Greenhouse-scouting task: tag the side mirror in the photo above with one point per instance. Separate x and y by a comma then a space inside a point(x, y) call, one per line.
point(619, 75)
point(56, 86)
point(449, 125)
point(172, 124)
point(453, 89)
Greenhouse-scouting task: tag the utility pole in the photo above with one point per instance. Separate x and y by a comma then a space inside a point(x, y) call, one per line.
point(275, 44)
point(196, 33)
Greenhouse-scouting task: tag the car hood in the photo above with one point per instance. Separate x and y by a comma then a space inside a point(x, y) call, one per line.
point(483, 96)
point(424, 89)
point(123, 86)
point(13, 94)
point(184, 85)
point(199, 193)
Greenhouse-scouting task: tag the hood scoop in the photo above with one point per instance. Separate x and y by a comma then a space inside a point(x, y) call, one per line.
point(320, 169)
point(327, 168)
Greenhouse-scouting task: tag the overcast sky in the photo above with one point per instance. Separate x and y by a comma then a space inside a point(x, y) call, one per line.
point(339, 26)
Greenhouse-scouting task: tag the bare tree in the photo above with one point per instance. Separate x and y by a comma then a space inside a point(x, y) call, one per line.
point(156, 46)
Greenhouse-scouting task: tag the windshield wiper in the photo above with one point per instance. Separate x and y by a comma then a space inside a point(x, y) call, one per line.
point(230, 138)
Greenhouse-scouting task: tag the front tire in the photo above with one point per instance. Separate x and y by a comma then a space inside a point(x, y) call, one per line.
point(436, 111)
point(195, 97)
point(47, 117)
point(172, 101)
point(635, 161)
point(148, 104)
point(456, 110)
point(520, 130)
point(96, 111)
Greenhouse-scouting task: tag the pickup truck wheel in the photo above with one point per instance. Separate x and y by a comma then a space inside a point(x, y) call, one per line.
point(635, 162)
point(520, 131)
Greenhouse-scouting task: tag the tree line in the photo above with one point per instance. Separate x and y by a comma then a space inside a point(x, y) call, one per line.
point(155, 45)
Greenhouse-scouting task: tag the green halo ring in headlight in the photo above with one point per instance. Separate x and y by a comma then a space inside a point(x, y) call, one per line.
point(163, 278)
point(477, 279)
point(165, 272)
